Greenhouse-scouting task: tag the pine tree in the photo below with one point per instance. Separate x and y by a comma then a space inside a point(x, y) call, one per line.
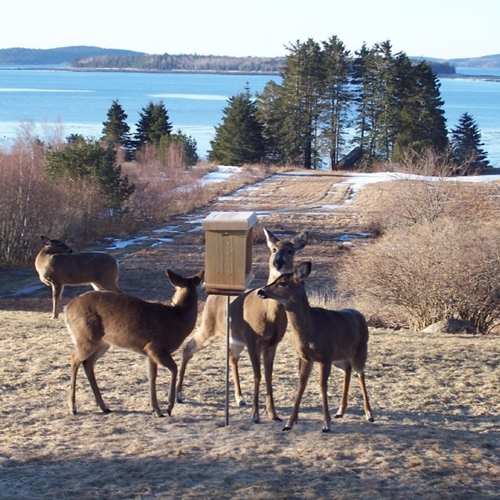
point(335, 98)
point(115, 129)
point(432, 121)
point(270, 114)
point(302, 89)
point(466, 146)
point(153, 124)
point(238, 139)
point(361, 80)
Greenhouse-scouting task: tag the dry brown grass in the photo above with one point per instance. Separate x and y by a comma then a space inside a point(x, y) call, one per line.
point(435, 400)
point(404, 203)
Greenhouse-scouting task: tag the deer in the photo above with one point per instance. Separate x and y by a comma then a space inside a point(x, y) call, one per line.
point(323, 336)
point(97, 320)
point(259, 326)
point(58, 266)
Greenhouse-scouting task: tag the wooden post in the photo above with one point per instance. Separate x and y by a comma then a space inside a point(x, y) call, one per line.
point(228, 334)
point(228, 265)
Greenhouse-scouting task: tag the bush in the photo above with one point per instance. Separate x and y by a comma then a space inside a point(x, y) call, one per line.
point(406, 203)
point(436, 270)
point(31, 204)
point(82, 159)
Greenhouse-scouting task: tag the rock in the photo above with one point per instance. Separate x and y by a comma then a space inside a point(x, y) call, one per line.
point(450, 326)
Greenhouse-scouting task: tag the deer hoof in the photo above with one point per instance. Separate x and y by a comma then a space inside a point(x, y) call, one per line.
point(240, 403)
point(287, 428)
point(106, 411)
point(370, 419)
point(256, 419)
point(325, 429)
point(277, 419)
point(339, 415)
point(179, 398)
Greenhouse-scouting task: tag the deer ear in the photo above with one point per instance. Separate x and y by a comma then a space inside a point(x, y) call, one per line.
point(300, 241)
point(302, 271)
point(175, 278)
point(45, 240)
point(271, 240)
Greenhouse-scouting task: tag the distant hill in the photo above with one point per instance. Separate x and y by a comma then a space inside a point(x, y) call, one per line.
point(491, 61)
point(61, 55)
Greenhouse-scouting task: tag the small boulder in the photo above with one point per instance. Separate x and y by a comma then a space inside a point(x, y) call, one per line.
point(450, 325)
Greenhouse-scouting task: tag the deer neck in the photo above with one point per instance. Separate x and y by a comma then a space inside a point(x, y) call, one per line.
point(298, 312)
point(274, 274)
point(186, 302)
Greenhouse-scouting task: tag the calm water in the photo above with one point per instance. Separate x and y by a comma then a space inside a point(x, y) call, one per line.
point(79, 100)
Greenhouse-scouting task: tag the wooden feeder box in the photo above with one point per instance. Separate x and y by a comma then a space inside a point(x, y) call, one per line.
point(228, 252)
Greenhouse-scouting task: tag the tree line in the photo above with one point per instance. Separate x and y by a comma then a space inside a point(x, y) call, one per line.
point(184, 62)
point(375, 103)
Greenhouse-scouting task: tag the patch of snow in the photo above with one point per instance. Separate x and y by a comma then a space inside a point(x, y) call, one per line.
point(347, 237)
point(223, 173)
point(162, 241)
point(329, 206)
point(119, 244)
point(167, 229)
point(359, 180)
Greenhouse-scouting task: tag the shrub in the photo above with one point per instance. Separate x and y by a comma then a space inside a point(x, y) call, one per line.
point(436, 270)
point(31, 204)
point(82, 159)
point(406, 203)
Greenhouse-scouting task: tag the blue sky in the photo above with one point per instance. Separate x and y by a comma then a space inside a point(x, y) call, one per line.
point(439, 28)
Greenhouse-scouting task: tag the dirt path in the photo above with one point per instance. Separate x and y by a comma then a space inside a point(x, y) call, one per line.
point(435, 398)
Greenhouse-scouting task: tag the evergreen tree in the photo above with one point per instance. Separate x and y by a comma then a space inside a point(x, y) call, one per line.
point(270, 114)
point(336, 97)
point(302, 90)
point(187, 143)
point(238, 139)
point(466, 146)
point(361, 80)
point(153, 124)
point(81, 159)
point(115, 129)
point(432, 120)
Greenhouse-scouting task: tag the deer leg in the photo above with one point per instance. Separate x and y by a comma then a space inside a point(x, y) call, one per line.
point(75, 364)
point(254, 353)
point(345, 392)
point(57, 290)
point(269, 354)
point(325, 369)
point(305, 371)
point(236, 379)
point(88, 366)
point(366, 401)
point(152, 372)
point(164, 358)
point(197, 342)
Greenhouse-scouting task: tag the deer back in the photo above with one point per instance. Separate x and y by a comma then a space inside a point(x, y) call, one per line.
point(77, 268)
point(129, 322)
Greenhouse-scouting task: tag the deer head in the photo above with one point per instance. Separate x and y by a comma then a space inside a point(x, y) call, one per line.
point(287, 286)
point(282, 252)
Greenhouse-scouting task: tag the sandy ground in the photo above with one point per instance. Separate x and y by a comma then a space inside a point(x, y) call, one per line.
point(435, 398)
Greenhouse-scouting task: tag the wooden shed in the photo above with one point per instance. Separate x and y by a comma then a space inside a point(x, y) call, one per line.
point(228, 251)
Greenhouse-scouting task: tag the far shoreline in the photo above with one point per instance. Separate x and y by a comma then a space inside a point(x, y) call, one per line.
point(455, 76)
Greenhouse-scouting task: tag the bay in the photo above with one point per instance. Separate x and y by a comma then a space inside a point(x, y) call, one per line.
point(76, 102)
